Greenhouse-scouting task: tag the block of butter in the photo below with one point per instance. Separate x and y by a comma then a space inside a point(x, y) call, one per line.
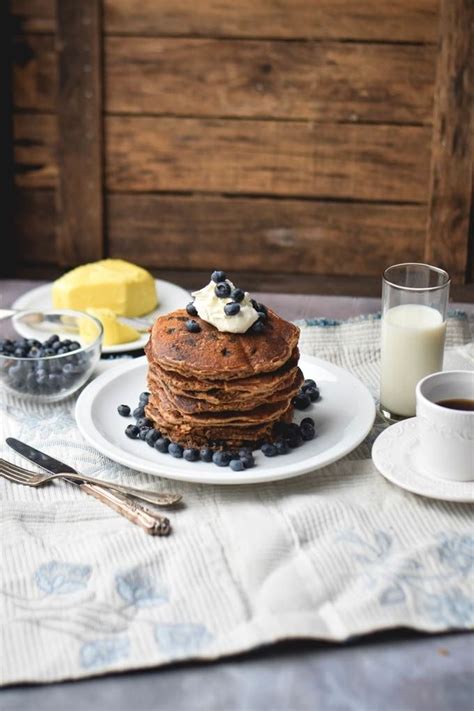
point(125, 288)
point(115, 331)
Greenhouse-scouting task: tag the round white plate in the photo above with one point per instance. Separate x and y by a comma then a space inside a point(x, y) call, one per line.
point(171, 297)
point(395, 453)
point(344, 416)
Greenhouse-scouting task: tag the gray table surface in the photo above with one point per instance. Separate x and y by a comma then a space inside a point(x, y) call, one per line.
point(391, 671)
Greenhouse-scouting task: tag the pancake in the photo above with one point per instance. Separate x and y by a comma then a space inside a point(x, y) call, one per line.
point(213, 355)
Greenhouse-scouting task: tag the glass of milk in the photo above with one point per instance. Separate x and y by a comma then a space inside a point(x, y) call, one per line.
point(414, 304)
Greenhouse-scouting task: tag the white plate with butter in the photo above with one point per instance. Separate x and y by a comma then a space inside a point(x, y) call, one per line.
point(170, 297)
point(343, 416)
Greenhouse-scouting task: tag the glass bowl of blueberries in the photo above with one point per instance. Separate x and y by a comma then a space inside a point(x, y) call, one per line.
point(48, 355)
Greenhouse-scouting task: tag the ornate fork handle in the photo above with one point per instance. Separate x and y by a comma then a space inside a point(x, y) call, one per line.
point(156, 498)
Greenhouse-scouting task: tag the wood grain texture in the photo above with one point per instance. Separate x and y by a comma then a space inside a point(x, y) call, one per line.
point(35, 147)
point(327, 81)
point(35, 76)
point(34, 15)
point(399, 20)
point(35, 226)
point(259, 234)
point(80, 224)
point(266, 157)
point(452, 155)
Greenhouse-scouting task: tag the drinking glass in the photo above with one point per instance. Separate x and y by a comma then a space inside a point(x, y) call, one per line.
point(414, 304)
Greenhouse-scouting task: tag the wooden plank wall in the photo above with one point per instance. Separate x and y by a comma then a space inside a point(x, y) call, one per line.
point(268, 137)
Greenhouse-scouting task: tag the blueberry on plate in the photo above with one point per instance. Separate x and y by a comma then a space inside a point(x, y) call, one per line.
point(281, 446)
point(138, 412)
point(151, 437)
point(144, 431)
point(143, 398)
point(237, 295)
point(269, 449)
point(144, 422)
point(232, 308)
point(222, 290)
point(307, 431)
point(175, 450)
point(218, 276)
point(237, 465)
point(206, 454)
point(307, 421)
point(123, 410)
point(132, 431)
point(294, 440)
point(190, 454)
point(162, 444)
point(301, 401)
point(193, 326)
point(308, 383)
point(247, 460)
point(312, 393)
point(191, 309)
point(222, 459)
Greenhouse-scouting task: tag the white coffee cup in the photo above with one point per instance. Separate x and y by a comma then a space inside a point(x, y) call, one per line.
point(446, 435)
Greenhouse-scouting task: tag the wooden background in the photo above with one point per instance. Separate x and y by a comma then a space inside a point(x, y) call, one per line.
point(307, 144)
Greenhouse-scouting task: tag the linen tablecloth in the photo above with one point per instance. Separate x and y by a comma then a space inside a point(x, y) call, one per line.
point(332, 554)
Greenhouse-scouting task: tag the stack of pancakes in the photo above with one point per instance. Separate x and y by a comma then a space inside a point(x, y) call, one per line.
point(221, 389)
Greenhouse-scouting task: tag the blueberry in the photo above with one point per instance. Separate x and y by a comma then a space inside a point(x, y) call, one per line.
point(20, 353)
point(247, 460)
point(144, 422)
point(206, 454)
point(193, 326)
point(262, 315)
point(301, 401)
point(152, 436)
point(48, 352)
point(123, 410)
point(132, 431)
point(144, 431)
point(307, 431)
point(54, 380)
point(237, 465)
point(191, 454)
point(67, 342)
point(281, 446)
point(245, 450)
point(71, 369)
point(257, 327)
point(307, 421)
point(262, 309)
point(269, 450)
point(255, 304)
point(162, 444)
point(175, 450)
point(218, 276)
point(61, 351)
point(191, 309)
point(138, 412)
point(313, 394)
point(74, 346)
point(56, 346)
point(308, 383)
point(222, 459)
point(222, 290)
point(237, 295)
point(232, 308)
point(143, 399)
point(294, 440)
point(53, 339)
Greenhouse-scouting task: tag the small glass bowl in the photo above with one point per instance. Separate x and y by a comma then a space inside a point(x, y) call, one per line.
point(53, 377)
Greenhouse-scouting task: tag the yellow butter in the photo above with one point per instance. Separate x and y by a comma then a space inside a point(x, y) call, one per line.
point(114, 284)
point(114, 330)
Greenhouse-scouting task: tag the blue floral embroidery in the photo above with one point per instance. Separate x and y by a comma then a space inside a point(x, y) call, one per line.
point(452, 608)
point(57, 578)
point(136, 588)
point(457, 552)
point(181, 639)
point(103, 652)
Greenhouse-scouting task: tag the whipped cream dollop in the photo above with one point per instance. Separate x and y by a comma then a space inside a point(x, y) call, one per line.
point(210, 308)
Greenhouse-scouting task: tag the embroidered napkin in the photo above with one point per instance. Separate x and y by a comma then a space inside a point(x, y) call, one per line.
point(332, 554)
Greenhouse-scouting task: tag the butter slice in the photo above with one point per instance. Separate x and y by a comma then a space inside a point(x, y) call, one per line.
point(125, 288)
point(115, 331)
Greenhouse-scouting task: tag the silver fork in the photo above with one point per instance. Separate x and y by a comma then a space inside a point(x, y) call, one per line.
point(19, 475)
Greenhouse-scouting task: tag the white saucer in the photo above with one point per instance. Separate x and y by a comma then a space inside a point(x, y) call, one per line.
point(395, 454)
point(344, 416)
point(171, 297)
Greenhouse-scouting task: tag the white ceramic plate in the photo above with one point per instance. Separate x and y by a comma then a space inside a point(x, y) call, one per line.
point(344, 416)
point(170, 296)
point(396, 456)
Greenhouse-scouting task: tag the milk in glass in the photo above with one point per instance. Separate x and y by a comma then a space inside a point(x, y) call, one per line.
point(412, 347)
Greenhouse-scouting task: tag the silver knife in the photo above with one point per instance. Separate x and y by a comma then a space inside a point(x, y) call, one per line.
point(152, 523)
